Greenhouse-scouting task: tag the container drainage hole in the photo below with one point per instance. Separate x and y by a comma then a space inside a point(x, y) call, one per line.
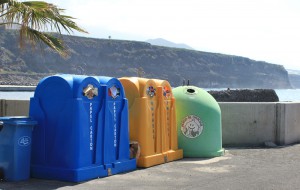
point(190, 90)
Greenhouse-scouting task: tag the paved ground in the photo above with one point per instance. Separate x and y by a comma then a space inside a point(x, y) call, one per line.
point(260, 168)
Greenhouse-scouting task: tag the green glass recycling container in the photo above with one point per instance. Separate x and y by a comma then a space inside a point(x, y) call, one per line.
point(199, 127)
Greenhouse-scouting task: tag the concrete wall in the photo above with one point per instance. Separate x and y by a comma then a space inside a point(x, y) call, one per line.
point(248, 124)
point(14, 107)
point(243, 124)
point(288, 120)
point(254, 124)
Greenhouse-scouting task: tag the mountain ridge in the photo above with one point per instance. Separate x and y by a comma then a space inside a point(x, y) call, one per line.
point(166, 43)
point(118, 58)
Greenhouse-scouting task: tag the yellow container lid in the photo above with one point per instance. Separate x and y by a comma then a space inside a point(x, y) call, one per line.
point(139, 87)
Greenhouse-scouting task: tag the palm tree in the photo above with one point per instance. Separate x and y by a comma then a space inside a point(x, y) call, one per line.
point(36, 17)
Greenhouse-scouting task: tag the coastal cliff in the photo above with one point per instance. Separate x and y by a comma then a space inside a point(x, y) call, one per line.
point(117, 58)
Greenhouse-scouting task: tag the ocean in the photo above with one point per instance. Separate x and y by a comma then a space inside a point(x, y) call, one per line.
point(288, 95)
point(285, 95)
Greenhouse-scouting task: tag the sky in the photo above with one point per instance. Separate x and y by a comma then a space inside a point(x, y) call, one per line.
point(262, 30)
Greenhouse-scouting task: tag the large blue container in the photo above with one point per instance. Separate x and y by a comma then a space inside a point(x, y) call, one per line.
point(116, 126)
point(82, 129)
point(15, 147)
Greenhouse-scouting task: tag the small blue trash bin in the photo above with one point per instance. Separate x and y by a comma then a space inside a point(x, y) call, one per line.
point(15, 147)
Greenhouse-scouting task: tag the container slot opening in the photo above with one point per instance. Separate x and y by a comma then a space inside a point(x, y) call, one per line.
point(190, 90)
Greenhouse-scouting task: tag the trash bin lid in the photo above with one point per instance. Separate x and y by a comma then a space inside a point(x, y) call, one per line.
point(19, 120)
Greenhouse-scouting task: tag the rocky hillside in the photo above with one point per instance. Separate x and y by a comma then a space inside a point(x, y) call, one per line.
point(119, 58)
point(294, 77)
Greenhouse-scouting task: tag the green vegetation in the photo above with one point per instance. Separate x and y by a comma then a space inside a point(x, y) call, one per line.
point(31, 18)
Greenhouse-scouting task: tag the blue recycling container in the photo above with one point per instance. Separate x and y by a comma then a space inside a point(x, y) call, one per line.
point(15, 147)
point(82, 129)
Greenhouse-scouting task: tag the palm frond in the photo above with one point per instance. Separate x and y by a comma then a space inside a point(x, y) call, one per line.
point(36, 37)
point(35, 18)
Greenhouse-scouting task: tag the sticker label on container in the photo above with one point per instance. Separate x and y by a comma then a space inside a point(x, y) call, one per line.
point(114, 92)
point(166, 92)
point(191, 126)
point(90, 91)
point(151, 91)
point(24, 141)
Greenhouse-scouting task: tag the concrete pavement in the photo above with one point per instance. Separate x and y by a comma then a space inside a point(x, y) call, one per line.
point(243, 168)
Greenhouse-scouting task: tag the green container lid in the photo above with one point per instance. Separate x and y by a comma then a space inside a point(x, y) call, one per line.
point(198, 117)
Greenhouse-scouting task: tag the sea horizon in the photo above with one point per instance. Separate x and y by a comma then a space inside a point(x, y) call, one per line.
point(284, 95)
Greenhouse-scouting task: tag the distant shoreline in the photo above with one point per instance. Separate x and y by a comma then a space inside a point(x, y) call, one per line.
point(16, 88)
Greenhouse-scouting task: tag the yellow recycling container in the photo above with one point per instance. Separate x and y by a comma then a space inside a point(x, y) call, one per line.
point(152, 120)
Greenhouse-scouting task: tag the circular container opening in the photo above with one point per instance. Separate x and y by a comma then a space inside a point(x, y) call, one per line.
point(190, 90)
